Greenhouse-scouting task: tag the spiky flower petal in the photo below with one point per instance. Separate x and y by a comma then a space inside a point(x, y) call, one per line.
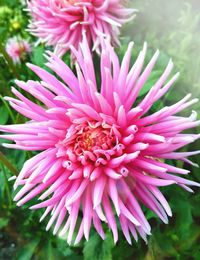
point(101, 154)
point(61, 23)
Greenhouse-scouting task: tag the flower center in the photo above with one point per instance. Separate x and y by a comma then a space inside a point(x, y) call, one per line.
point(80, 3)
point(94, 137)
point(73, 2)
point(90, 142)
point(22, 49)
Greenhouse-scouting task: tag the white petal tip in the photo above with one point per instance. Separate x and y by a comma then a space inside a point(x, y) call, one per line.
point(12, 178)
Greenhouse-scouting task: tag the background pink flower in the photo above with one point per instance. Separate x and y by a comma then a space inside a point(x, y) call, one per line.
point(17, 48)
point(60, 23)
point(100, 153)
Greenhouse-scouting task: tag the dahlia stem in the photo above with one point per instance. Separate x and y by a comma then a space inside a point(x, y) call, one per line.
point(5, 162)
point(9, 61)
point(7, 188)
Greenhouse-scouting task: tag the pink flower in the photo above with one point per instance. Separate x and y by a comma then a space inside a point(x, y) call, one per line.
point(17, 48)
point(100, 153)
point(60, 23)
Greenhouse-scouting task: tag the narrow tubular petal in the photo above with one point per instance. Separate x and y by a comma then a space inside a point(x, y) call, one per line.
point(110, 217)
point(141, 81)
point(78, 193)
point(152, 181)
point(87, 213)
point(161, 198)
point(98, 191)
point(114, 195)
point(149, 99)
point(124, 70)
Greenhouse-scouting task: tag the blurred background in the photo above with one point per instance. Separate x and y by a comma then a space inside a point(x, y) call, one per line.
point(173, 26)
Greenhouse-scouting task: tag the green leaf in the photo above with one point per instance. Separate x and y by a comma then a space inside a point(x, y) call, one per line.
point(107, 246)
point(150, 214)
point(163, 246)
point(3, 222)
point(28, 250)
point(99, 249)
point(38, 56)
point(92, 248)
point(3, 115)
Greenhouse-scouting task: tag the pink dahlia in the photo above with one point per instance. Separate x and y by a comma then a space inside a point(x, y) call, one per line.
point(101, 154)
point(17, 49)
point(60, 23)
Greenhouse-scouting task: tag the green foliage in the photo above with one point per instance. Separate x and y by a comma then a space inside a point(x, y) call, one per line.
point(4, 115)
point(38, 56)
point(3, 222)
point(99, 249)
point(12, 20)
point(26, 253)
